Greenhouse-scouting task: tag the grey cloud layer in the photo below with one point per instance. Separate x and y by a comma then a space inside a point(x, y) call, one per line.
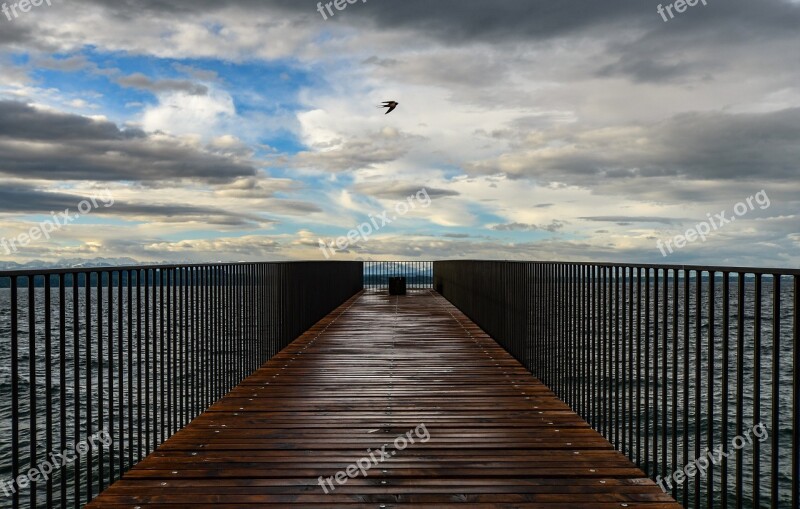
point(59, 146)
point(18, 198)
point(694, 146)
point(141, 81)
point(457, 20)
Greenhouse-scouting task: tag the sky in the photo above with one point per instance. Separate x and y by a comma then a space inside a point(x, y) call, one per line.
point(576, 130)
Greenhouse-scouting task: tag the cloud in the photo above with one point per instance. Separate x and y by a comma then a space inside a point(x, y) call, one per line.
point(553, 227)
point(42, 144)
point(22, 199)
point(397, 190)
point(196, 73)
point(67, 64)
point(690, 146)
point(142, 82)
point(181, 113)
point(340, 155)
point(635, 219)
point(251, 247)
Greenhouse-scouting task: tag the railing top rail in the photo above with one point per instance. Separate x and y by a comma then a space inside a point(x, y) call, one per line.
point(700, 268)
point(123, 268)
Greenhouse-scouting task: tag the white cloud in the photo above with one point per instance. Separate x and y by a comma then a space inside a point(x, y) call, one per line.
point(180, 113)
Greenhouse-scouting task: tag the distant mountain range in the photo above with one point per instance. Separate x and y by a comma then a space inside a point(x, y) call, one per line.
point(69, 263)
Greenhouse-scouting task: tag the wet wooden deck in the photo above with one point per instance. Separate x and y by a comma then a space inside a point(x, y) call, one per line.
point(374, 369)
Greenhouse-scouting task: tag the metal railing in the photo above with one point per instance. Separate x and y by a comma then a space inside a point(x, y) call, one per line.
point(419, 275)
point(667, 362)
point(136, 352)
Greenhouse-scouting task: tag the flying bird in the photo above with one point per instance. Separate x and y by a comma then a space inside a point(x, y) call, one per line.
point(389, 104)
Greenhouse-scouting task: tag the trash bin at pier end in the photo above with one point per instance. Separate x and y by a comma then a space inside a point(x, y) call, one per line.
point(397, 286)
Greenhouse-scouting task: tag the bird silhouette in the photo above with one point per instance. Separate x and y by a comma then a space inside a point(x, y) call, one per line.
point(389, 104)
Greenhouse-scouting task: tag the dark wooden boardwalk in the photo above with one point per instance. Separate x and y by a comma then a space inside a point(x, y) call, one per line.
point(375, 369)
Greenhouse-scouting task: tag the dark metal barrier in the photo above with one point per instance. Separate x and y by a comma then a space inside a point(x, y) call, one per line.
point(419, 275)
point(137, 352)
point(672, 364)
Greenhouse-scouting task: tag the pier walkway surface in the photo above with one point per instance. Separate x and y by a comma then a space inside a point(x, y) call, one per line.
point(486, 433)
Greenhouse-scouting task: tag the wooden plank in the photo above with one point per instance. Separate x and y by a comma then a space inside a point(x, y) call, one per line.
point(377, 368)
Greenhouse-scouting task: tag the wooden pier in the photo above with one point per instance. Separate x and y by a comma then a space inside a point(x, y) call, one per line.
point(373, 370)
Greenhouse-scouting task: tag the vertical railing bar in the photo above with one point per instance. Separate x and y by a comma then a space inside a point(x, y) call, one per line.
point(710, 395)
point(664, 374)
point(191, 343)
point(698, 381)
point(757, 390)
point(100, 413)
point(179, 324)
point(571, 303)
point(594, 371)
point(726, 321)
point(198, 341)
point(205, 401)
point(129, 276)
point(675, 353)
point(740, 314)
point(110, 307)
point(228, 330)
point(62, 377)
point(601, 324)
point(606, 353)
point(776, 380)
point(76, 381)
point(177, 334)
point(183, 348)
point(625, 365)
point(158, 359)
point(243, 303)
point(647, 459)
point(139, 365)
point(686, 372)
point(32, 431)
point(656, 285)
point(639, 368)
point(796, 396)
point(89, 429)
point(15, 460)
point(619, 353)
point(168, 345)
point(120, 372)
point(48, 384)
point(631, 350)
point(147, 419)
point(195, 335)
point(215, 363)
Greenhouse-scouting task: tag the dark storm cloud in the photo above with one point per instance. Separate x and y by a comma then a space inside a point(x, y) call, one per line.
point(448, 20)
point(457, 20)
point(20, 199)
point(60, 146)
